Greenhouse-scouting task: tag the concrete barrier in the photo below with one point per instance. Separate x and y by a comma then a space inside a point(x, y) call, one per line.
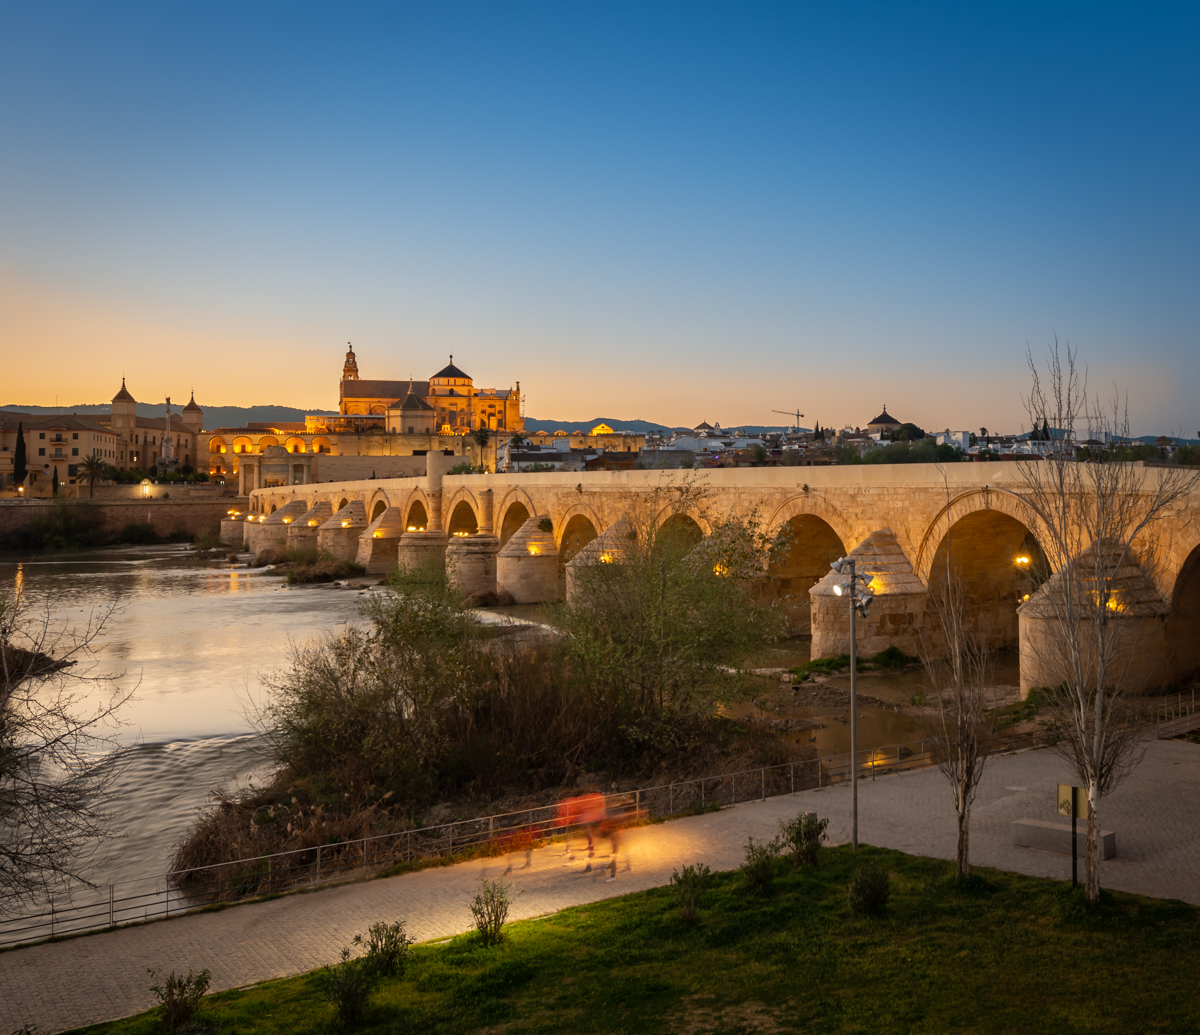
point(1054, 835)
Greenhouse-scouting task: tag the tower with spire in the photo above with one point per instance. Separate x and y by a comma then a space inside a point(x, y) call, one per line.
point(350, 369)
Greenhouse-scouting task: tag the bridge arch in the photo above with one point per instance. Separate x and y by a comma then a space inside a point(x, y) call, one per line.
point(462, 519)
point(1000, 563)
point(814, 505)
point(377, 503)
point(985, 500)
point(1184, 619)
point(416, 514)
point(574, 532)
point(514, 510)
point(682, 527)
point(804, 548)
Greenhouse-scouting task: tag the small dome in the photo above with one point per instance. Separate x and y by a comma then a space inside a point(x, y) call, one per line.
point(452, 371)
point(123, 395)
point(191, 406)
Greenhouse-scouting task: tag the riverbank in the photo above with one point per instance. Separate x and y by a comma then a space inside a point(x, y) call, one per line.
point(61, 524)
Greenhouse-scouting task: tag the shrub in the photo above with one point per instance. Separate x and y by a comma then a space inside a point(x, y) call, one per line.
point(759, 864)
point(489, 909)
point(139, 533)
point(347, 986)
point(546, 525)
point(690, 883)
point(179, 997)
point(803, 835)
point(387, 948)
point(869, 890)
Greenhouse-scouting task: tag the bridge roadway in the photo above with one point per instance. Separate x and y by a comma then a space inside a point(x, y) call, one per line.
point(896, 518)
point(103, 976)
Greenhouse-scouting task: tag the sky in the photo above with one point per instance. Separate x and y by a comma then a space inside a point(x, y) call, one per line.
point(674, 212)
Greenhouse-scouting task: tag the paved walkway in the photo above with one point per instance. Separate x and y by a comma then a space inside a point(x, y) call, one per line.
point(1156, 815)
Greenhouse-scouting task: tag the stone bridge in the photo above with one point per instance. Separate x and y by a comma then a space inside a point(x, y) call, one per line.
point(520, 533)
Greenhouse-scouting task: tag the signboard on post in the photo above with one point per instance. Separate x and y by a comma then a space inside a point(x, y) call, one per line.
point(1073, 802)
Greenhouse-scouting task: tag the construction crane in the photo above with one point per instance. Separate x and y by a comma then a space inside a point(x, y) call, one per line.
point(789, 413)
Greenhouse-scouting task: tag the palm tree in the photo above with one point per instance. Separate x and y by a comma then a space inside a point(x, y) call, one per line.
point(482, 435)
point(90, 469)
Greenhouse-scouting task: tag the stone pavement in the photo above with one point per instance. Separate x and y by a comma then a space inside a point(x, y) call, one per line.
point(1155, 813)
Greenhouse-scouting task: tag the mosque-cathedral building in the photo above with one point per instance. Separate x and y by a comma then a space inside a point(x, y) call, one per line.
point(382, 429)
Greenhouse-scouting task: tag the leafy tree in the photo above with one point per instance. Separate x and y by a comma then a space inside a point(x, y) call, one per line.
point(758, 453)
point(1188, 456)
point(658, 626)
point(90, 469)
point(19, 460)
point(908, 432)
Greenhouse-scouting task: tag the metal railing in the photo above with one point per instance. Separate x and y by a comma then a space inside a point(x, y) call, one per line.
point(1175, 715)
point(150, 898)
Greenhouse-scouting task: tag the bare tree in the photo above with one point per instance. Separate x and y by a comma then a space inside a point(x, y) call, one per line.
point(1096, 523)
point(58, 754)
point(957, 661)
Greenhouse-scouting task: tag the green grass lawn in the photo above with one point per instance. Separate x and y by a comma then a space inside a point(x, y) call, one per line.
point(1005, 953)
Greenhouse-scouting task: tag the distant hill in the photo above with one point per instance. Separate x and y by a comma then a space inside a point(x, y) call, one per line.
point(533, 424)
point(214, 416)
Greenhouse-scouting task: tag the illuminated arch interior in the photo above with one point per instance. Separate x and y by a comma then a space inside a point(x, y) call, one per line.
point(514, 518)
point(462, 520)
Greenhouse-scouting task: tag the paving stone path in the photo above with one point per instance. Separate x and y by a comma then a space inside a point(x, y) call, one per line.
point(1155, 813)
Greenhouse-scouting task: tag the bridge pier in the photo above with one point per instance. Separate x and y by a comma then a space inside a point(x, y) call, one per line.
point(471, 563)
point(274, 530)
point(379, 541)
point(896, 611)
point(338, 536)
point(527, 567)
point(303, 532)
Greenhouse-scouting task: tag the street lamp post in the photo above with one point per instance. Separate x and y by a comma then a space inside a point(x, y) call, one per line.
point(860, 602)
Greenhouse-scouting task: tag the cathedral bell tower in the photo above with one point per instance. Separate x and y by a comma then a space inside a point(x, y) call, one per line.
point(350, 370)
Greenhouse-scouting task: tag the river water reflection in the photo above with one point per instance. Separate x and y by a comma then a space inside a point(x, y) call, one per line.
point(196, 637)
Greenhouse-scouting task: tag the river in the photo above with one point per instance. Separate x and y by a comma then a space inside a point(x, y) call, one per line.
point(196, 637)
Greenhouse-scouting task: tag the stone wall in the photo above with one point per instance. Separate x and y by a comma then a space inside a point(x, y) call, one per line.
point(167, 517)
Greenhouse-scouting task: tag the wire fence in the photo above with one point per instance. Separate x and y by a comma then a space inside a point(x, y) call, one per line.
point(140, 900)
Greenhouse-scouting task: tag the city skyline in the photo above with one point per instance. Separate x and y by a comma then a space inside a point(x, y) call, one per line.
point(672, 214)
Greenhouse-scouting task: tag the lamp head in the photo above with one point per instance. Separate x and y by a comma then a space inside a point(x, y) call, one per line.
point(838, 565)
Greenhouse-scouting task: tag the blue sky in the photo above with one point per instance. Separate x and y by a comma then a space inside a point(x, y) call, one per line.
point(675, 212)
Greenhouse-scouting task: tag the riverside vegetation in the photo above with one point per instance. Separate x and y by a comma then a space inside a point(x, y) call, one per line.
point(996, 952)
point(372, 727)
